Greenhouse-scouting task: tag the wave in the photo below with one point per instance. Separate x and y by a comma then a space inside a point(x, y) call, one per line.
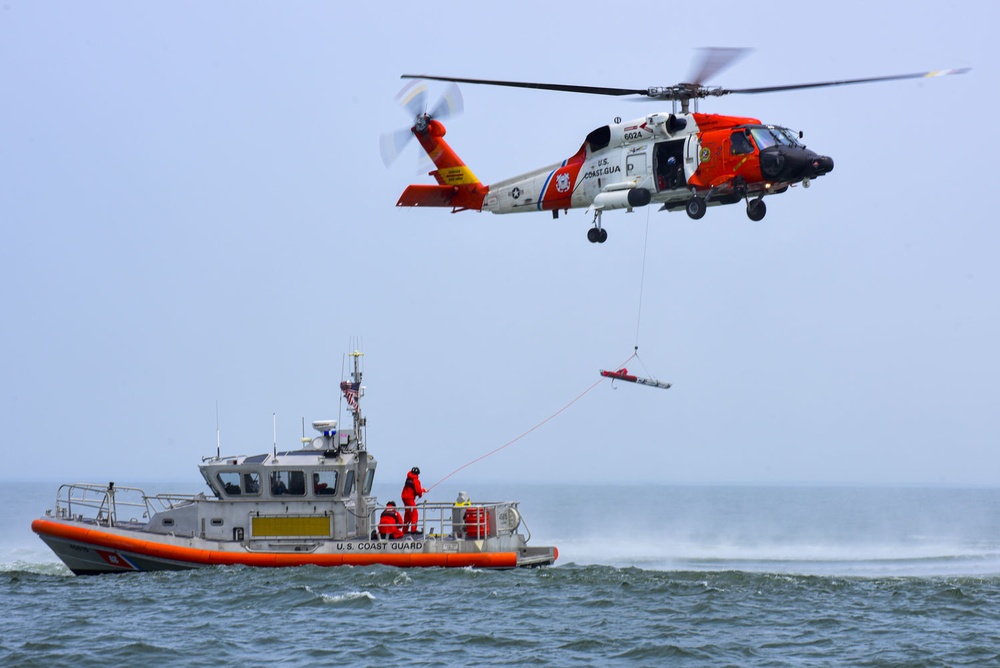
point(350, 598)
point(13, 568)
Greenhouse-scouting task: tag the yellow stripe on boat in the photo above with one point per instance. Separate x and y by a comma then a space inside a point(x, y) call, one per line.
point(291, 526)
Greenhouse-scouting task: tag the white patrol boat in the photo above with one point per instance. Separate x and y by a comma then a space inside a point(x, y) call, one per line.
point(310, 506)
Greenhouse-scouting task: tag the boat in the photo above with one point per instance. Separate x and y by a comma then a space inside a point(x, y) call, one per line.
point(310, 506)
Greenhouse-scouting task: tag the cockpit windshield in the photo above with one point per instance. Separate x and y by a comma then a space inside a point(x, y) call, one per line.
point(772, 135)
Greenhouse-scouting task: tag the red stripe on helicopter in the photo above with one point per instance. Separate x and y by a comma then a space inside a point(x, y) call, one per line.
point(557, 192)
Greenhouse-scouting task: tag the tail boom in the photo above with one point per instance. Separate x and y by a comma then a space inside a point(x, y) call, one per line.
point(457, 186)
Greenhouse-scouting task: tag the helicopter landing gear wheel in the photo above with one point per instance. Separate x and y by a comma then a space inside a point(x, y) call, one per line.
point(756, 209)
point(597, 235)
point(696, 208)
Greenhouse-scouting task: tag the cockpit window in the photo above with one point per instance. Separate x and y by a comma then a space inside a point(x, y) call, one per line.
point(325, 482)
point(230, 481)
point(739, 144)
point(292, 483)
point(772, 135)
point(251, 483)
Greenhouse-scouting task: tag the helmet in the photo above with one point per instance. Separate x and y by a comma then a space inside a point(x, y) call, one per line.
point(390, 503)
point(415, 470)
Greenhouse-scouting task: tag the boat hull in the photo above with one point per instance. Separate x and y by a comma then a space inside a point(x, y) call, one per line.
point(89, 549)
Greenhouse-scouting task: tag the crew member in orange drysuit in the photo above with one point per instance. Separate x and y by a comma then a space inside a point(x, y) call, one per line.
point(412, 490)
point(390, 524)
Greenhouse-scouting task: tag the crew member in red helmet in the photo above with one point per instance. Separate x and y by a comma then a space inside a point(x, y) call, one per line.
point(412, 490)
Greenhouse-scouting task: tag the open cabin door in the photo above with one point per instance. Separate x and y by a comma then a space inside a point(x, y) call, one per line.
point(668, 164)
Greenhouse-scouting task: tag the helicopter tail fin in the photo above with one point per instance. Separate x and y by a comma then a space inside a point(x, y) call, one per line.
point(457, 186)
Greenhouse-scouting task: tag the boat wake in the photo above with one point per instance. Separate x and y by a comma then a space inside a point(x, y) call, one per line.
point(869, 560)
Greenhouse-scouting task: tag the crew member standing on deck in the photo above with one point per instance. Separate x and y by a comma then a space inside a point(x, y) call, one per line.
point(412, 490)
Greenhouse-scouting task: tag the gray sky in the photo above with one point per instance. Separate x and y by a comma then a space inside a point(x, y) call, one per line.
point(194, 212)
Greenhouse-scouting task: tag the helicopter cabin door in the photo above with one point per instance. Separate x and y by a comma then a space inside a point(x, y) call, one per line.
point(668, 165)
point(637, 167)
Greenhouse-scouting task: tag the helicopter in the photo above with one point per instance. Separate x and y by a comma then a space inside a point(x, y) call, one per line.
point(681, 160)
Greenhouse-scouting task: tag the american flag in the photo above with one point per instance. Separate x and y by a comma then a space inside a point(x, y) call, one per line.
point(350, 391)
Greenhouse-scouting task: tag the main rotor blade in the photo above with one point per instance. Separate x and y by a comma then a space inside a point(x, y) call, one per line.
point(686, 91)
point(844, 82)
point(567, 88)
point(714, 60)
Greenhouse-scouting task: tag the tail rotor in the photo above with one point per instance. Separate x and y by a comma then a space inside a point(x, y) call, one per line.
point(413, 99)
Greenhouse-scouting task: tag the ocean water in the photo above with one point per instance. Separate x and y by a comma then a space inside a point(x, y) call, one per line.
point(647, 576)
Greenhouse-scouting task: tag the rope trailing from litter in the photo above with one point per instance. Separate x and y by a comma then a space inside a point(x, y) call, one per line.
point(515, 440)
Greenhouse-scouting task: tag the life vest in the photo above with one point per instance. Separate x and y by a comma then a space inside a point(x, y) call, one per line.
point(389, 523)
point(412, 487)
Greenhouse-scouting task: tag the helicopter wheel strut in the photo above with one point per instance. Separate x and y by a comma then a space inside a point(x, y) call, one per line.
point(756, 209)
point(597, 235)
point(696, 208)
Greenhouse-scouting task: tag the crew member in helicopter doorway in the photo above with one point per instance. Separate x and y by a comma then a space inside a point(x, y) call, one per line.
point(412, 490)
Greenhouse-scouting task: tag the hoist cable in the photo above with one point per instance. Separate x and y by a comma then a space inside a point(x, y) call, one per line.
point(642, 281)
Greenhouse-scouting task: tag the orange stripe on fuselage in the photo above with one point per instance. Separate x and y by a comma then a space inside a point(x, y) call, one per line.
point(192, 555)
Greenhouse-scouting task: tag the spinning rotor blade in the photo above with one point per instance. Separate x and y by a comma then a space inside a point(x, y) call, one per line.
point(450, 104)
point(844, 82)
point(391, 144)
point(714, 60)
point(413, 98)
point(595, 90)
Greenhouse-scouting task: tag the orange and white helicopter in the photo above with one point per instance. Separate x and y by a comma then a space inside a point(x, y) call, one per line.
point(680, 160)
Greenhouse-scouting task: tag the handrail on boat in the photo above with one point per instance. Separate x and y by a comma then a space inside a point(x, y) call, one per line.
point(103, 504)
point(475, 521)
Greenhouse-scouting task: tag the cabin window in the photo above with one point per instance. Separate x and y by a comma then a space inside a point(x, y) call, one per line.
point(325, 482)
point(217, 522)
point(251, 483)
point(168, 521)
point(292, 483)
point(230, 482)
point(349, 483)
point(739, 144)
point(369, 479)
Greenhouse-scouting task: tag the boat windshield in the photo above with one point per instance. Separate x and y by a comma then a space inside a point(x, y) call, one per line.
point(772, 135)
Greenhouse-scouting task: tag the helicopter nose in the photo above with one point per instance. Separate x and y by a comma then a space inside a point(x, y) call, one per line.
point(785, 163)
point(823, 164)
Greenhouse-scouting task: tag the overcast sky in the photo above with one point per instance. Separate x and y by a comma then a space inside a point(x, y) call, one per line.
point(195, 214)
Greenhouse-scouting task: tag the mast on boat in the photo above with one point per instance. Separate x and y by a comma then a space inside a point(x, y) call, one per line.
point(353, 392)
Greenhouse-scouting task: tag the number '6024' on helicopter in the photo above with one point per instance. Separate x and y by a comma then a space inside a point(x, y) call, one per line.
point(682, 159)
